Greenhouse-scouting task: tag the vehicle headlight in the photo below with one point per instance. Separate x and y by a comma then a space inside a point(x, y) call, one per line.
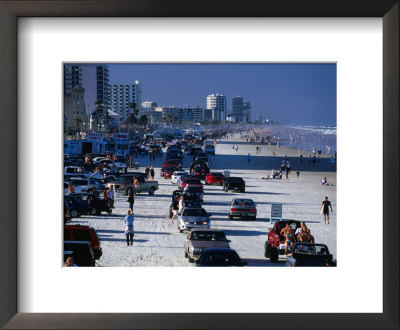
point(186, 222)
point(205, 222)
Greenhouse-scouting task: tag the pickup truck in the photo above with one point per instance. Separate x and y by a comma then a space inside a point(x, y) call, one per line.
point(274, 245)
point(124, 182)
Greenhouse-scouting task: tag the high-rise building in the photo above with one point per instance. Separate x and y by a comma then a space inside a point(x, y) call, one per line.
point(246, 112)
point(217, 104)
point(72, 77)
point(75, 111)
point(122, 95)
point(237, 109)
point(102, 88)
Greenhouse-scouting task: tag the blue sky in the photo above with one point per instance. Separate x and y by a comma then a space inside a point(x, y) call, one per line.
point(290, 93)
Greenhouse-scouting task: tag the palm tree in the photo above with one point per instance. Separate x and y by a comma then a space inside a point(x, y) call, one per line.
point(143, 120)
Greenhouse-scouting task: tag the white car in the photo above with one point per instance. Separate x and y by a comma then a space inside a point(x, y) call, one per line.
point(85, 185)
point(176, 176)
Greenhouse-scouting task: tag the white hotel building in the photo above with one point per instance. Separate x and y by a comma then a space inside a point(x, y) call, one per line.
point(217, 104)
point(121, 95)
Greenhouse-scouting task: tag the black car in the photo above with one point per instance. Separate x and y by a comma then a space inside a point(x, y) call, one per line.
point(80, 251)
point(96, 204)
point(219, 257)
point(193, 200)
point(200, 171)
point(76, 206)
point(310, 255)
point(234, 183)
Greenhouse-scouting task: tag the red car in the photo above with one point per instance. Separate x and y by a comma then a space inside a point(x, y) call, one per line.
point(192, 182)
point(84, 233)
point(168, 171)
point(170, 163)
point(215, 178)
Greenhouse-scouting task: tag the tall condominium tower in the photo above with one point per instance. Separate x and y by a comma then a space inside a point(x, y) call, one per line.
point(122, 95)
point(237, 109)
point(102, 87)
point(217, 104)
point(72, 78)
point(246, 112)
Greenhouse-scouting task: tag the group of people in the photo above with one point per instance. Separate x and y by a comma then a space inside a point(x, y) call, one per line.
point(150, 172)
point(302, 234)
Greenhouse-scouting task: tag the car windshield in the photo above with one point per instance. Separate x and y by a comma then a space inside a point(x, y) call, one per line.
point(235, 180)
point(208, 236)
point(221, 259)
point(194, 213)
point(79, 182)
point(313, 249)
point(243, 202)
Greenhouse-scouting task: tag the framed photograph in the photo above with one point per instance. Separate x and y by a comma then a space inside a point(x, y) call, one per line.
point(251, 43)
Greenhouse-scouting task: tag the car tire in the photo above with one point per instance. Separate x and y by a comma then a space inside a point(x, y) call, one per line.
point(180, 230)
point(226, 189)
point(152, 190)
point(267, 250)
point(74, 213)
point(186, 254)
point(191, 260)
point(274, 255)
point(93, 211)
point(109, 211)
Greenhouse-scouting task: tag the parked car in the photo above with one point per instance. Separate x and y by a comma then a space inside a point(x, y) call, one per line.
point(172, 163)
point(169, 171)
point(242, 208)
point(192, 182)
point(235, 184)
point(309, 255)
point(124, 182)
point(96, 204)
point(193, 218)
point(200, 171)
point(219, 257)
point(176, 175)
point(87, 185)
point(81, 251)
point(199, 239)
point(275, 243)
point(215, 178)
point(194, 193)
point(76, 206)
point(184, 176)
point(84, 233)
point(76, 171)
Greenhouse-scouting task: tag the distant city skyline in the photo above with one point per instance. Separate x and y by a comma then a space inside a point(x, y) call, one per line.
point(303, 94)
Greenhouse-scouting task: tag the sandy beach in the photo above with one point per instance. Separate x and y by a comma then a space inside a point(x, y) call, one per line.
point(158, 242)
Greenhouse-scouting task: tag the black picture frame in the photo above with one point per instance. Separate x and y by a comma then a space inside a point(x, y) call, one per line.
point(10, 10)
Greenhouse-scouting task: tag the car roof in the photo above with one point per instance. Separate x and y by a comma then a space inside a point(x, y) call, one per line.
point(242, 199)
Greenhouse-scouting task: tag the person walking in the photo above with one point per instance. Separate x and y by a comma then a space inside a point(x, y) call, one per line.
point(175, 208)
point(257, 150)
point(129, 219)
point(152, 173)
point(298, 173)
point(248, 158)
point(131, 198)
point(111, 195)
point(287, 173)
point(147, 171)
point(180, 205)
point(325, 209)
point(136, 185)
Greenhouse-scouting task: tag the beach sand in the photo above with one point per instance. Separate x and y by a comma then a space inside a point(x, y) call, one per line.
point(159, 243)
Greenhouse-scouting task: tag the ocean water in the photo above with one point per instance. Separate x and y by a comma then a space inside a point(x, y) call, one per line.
point(307, 138)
